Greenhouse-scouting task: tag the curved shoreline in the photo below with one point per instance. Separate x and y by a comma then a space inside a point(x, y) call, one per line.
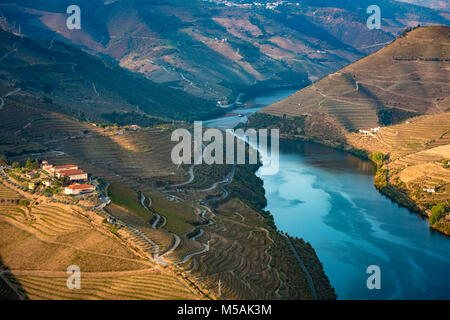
point(390, 191)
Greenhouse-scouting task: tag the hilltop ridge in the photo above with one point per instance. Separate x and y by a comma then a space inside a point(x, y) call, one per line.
point(407, 78)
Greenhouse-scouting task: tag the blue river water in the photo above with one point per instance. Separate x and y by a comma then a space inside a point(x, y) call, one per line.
point(327, 197)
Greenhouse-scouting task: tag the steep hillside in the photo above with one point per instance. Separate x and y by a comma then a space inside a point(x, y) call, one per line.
point(435, 4)
point(406, 78)
point(216, 49)
point(416, 164)
point(164, 225)
point(81, 83)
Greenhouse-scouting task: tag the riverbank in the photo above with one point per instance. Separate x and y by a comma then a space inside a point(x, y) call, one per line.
point(413, 196)
point(326, 196)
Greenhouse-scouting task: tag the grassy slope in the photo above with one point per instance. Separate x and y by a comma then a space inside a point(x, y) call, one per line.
point(128, 199)
point(406, 78)
point(38, 243)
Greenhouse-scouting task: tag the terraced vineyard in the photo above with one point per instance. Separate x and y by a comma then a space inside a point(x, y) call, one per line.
point(417, 150)
point(406, 78)
point(8, 194)
point(110, 155)
point(239, 256)
point(137, 285)
point(39, 241)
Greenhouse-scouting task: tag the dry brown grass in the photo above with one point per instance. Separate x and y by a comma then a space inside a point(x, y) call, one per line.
point(8, 194)
point(352, 96)
point(416, 150)
point(39, 242)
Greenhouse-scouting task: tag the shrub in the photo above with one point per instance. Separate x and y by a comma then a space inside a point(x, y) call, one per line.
point(437, 212)
point(3, 160)
point(378, 158)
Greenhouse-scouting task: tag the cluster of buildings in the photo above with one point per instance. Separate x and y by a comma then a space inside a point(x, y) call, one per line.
point(268, 5)
point(429, 190)
point(75, 175)
point(370, 132)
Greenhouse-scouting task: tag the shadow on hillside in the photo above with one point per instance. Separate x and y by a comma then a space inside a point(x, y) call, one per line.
point(6, 292)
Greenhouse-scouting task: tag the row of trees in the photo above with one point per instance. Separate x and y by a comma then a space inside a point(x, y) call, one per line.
point(31, 164)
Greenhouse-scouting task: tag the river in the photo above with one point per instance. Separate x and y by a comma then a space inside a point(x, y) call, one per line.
point(327, 197)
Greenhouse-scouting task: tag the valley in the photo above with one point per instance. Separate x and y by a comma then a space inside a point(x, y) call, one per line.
point(86, 172)
point(191, 242)
point(215, 49)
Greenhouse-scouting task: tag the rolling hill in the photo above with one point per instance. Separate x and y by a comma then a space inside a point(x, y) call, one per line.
point(407, 78)
point(215, 48)
point(86, 86)
point(403, 89)
point(435, 4)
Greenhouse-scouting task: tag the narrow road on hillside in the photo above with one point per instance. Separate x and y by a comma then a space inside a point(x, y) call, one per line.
point(201, 232)
point(158, 217)
point(2, 100)
point(8, 53)
point(227, 106)
point(190, 255)
point(191, 178)
point(174, 246)
point(223, 183)
point(302, 265)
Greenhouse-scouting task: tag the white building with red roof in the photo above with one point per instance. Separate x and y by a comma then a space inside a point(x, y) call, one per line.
point(76, 189)
point(54, 169)
point(72, 174)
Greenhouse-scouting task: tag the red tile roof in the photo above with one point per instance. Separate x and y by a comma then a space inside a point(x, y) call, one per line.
point(80, 186)
point(65, 166)
point(73, 172)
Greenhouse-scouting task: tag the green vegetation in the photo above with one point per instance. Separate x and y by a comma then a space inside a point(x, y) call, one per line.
point(4, 161)
point(388, 116)
point(247, 187)
point(128, 118)
point(32, 164)
point(205, 175)
point(437, 212)
point(128, 199)
point(378, 158)
point(312, 263)
point(286, 125)
point(179, 215)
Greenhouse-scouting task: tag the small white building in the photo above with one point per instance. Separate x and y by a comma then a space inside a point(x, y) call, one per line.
point(429, 190)
point(48, 183)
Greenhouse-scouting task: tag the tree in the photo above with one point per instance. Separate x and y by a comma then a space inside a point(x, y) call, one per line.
point(437, 212)
point(64, 181)
point(32, 164)
point(3, 160)
point(15, 165)
point(28, 164)
point(378, 158)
